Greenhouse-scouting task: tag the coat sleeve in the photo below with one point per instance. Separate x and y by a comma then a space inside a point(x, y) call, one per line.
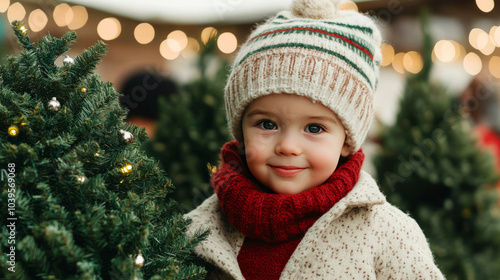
point(403, 250)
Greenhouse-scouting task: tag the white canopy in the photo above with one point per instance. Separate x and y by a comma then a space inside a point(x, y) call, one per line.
point(190, 11)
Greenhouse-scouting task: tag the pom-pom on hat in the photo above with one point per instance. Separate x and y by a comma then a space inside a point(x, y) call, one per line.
point(314, 50)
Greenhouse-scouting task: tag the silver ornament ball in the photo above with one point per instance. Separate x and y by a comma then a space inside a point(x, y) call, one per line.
point(69, 60)
point(127, 136)
point(54, 105)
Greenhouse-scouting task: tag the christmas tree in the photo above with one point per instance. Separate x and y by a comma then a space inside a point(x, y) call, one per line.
point(430, 166)
point(193, 121)
point(79, 199)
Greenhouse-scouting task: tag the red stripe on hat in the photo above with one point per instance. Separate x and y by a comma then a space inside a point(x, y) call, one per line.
point(320, 31)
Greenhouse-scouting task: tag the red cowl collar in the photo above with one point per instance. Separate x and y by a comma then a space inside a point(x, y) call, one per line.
point(272, 217)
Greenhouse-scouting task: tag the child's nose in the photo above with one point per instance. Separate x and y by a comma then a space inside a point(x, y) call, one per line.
point(288, 144)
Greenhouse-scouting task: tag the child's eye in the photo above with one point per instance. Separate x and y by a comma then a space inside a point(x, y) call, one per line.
point(314, 128)
point(268, 125)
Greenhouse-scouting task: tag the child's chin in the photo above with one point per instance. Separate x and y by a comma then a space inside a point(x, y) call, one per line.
point(284, 189)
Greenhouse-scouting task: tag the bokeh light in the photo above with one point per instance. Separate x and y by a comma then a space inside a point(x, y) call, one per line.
point(413, 62)
point(63, 14)
point(191, 49)
point(397, 62)
point(472, 64)
point(16, 11)
point(144, 33)
point(489, 48)
point(180, 37)
point(445, 51)
point(109, 28)
point(348, 5)
point(80, 17)
point(170, 49)
point(494, 66)
point(497, 36)
point(227, 42)
point(4, 5)
point(37, 20)
point(387, 54)
point(208, 33)
point(485, 5)
point(474, 35)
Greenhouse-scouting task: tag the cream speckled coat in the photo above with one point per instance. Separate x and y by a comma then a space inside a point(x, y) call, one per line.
point(361, 237)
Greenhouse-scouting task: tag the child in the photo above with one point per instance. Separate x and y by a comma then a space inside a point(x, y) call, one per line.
point(291, 200)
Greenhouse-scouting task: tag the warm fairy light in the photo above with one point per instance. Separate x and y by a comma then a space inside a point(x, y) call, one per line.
point(387, 54)
point(180, 37)
point(478, 38)
point(460, 50)
point(4, 5)
point(494, 66)
point(174, 45)
point(485, 5)
point(493, 31)
point(23, 29)
point(16, 11)
point(473, 34)
point(166, 49)
point(207, 33)
point(127, 168)
point(445, 50)
point(81, 179)
point(496, 36)
point(109, 28)
point(472, 64)
point(227, 42)
point(144, 33)
point(482, 40)
point(37, 20)
point(80, 17)
point(191, 49)
point(348, 5)
point(139, 260)
point(489, 48)
point(413, 62)
point(13, 131)
point(63, 14)
point(397, 62)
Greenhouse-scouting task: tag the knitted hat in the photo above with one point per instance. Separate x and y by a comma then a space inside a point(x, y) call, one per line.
point(314, 50)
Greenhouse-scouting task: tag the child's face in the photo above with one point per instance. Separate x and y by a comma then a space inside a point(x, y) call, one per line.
point(292, 144)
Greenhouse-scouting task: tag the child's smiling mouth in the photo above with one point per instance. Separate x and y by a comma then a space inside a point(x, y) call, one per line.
point(286, 170)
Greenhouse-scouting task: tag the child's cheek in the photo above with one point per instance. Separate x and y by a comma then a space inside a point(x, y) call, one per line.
point(255, 148)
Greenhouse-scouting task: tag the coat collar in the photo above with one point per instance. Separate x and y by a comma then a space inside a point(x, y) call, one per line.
point(224, 242)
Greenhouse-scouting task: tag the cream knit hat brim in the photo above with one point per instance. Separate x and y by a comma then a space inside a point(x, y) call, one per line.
point(333, 61)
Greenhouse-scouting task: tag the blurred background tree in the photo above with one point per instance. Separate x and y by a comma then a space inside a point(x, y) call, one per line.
point(430, 166)
point(191, 130)
point(88, 203)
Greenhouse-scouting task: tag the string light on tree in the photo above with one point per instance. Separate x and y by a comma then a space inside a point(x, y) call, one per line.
point(54, 105)
point(83, 89)
point(23, 29)
point(139, 260)
point(81, 179)
point(13, 131)
point(126, 169)
point(22, 121)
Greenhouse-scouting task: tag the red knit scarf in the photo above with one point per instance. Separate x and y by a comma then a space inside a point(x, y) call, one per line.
point(274, 224)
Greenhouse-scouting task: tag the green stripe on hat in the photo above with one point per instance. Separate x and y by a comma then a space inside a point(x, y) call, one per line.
point(320, 31)
point(352, 44)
